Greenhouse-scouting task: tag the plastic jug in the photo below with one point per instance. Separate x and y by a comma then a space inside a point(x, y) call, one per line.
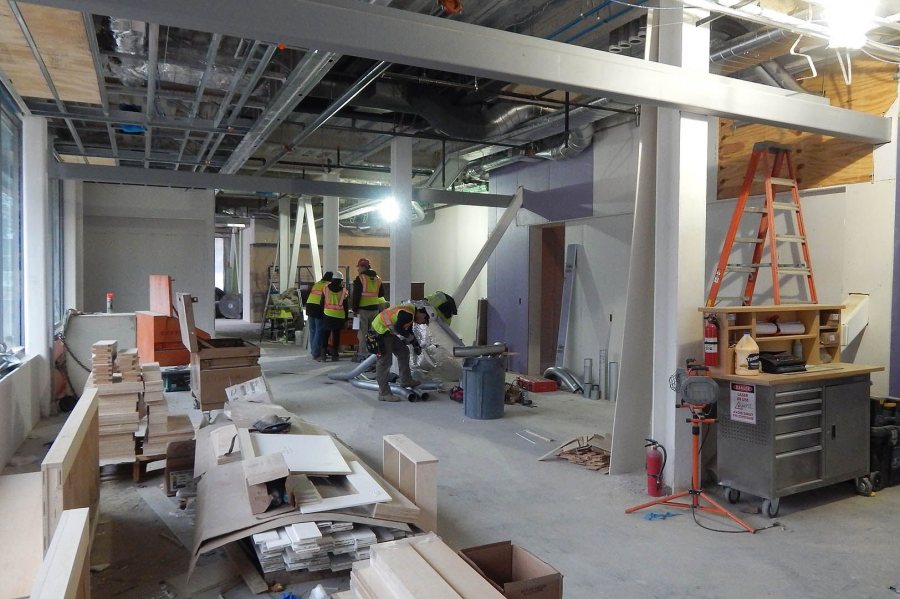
point(743, 350)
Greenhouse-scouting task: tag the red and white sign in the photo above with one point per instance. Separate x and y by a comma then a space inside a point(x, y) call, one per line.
point(743, 403)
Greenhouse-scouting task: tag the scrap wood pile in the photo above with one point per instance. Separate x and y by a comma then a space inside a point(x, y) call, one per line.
point(590, 451)
point(421, 566)
point(127, 392)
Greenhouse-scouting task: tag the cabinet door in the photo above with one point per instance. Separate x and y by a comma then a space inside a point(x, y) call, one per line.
point(846, 429)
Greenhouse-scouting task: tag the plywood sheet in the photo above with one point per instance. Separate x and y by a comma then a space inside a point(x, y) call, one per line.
point(21, 544)
point(820, 161)
point(304, 454)
point(65, 572)
point(62, 41)
point(363, 490)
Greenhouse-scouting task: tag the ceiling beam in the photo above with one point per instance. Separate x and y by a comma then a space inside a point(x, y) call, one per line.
point(169, 178)
point(381, 33)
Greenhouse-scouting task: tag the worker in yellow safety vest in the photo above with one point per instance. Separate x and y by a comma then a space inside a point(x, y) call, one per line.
point(334, 311)
point(444, 305)
point(314, 316)
point(366, 301)
point(392, 331)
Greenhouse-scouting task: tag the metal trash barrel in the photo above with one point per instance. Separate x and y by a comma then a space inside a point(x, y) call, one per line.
point(483, 386)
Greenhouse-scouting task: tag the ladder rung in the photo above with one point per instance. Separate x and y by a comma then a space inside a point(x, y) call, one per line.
point(782, 181)
point(742, 268)
point(748, 239)
point(787, 269)
point(775, 205)
point(791, 238)
point(793, 270)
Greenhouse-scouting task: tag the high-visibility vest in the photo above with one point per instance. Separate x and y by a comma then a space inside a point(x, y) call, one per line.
point(334, 302)
point(370, 287)
point(315, 294)
point(386, 319)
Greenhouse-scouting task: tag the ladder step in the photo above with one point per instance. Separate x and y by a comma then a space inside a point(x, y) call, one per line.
point(775, 205)
point(748, 239)
point(741, 268)
point(786, 269)
point(791, 238)
point(782, 181)
point(793, 270)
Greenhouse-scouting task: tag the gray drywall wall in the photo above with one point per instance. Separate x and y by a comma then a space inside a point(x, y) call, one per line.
point(132, 232)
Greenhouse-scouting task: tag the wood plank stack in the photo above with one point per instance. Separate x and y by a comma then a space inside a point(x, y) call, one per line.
point(127, 365)
point(118, 400)
point(162, 427)
point(422, 566)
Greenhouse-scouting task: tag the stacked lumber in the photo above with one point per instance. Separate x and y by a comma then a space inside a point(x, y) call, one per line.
point(127, 365)
point(162, 431)
point(417, 567)
point(118, 401)
point(318, 546)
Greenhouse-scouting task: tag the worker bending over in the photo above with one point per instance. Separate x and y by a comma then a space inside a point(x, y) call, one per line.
point(444, 305)
point(392, 331)
point(314, 314)
point(366, 302)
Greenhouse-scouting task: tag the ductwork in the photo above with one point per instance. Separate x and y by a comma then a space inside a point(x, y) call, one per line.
point(743, 45)
point(577, 141)
point(470, 123)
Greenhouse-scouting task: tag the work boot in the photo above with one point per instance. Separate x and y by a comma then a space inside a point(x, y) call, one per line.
point(335, 357)
point(387, 397)
point(319, 358)
point(411, 383)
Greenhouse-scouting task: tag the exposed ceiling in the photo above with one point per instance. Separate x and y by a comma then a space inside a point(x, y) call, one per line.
point(141, 94)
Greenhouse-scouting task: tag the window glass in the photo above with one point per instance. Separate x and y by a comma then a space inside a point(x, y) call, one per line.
point(10, 224)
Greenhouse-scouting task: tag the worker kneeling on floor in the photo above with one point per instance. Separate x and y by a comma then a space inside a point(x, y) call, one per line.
point(392, 332)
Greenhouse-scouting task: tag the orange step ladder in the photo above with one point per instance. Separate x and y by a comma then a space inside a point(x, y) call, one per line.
point(775, 160)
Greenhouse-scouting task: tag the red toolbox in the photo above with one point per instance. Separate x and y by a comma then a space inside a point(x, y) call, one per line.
point(536, 384)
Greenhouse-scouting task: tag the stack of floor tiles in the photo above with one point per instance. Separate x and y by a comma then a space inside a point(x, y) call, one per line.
point(318, 546)
point(420, 567)
point(162, 427)
point(118, 402)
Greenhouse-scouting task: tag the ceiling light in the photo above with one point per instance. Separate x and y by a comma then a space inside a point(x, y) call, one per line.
point(389, 210)
point(848, 22)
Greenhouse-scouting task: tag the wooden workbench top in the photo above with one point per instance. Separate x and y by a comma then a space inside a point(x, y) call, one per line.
point(771, 308)
point(822, 372)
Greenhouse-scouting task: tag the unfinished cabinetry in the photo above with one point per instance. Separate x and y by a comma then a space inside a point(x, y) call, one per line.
point(413, 471)
point(776, 328)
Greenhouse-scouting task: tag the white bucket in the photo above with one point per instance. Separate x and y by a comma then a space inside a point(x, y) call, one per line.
point(743, 350)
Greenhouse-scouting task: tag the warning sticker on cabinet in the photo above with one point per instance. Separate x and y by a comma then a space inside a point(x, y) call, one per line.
point(743, 403)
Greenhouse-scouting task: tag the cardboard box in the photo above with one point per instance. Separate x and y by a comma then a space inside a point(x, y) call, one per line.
point(179, 466)
point(514, 571)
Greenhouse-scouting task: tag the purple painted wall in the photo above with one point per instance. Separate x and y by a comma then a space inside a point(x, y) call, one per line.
point(555, 190)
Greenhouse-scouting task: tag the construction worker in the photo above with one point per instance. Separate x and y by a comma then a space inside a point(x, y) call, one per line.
point(444, 305)
point(392, 331)
point(367, 300)
point(314, 315)
point(334, 311)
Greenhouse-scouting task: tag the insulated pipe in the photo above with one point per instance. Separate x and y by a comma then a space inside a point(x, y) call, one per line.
point(397, 390)
point(360, 368)
point(473, 351)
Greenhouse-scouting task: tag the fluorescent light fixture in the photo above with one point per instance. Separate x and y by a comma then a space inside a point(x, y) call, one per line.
point(235, 225)
point(389, 210)
point(849, 21)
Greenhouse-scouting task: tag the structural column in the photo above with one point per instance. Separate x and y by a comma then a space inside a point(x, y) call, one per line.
point(36, 274)
point(401, 228)
point(331, 207)
point(285, 277)
point(73, 244)
point(680, 237)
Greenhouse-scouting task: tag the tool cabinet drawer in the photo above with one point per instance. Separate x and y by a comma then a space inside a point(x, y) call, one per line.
point(791, 395)
point(799, 421)
point(798, 440)
point(798, 467)
point(802, 405)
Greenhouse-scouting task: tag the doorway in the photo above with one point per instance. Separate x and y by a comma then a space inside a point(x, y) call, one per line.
point(547, 259)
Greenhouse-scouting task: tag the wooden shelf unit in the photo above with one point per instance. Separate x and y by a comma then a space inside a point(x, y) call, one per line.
point(817, 320)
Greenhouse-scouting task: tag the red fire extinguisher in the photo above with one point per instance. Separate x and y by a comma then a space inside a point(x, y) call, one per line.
point(711, 341)
point(656, 463)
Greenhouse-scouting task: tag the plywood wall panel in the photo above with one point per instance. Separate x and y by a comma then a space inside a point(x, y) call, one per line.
point(821, 161)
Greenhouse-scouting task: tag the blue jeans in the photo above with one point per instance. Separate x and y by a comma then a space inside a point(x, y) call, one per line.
point(315, 336)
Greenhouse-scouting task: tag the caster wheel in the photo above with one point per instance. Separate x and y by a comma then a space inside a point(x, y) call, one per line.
point(733, 495)
point(864, 486)
point(877, 482)
point(770, 507)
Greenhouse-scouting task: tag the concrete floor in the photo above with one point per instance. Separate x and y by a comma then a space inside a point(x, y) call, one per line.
point(828, 542)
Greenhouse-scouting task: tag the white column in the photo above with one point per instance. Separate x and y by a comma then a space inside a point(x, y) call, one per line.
point(401, 229)
point(36, 274)
point(73, 244)
point(331, 207)
point(680, 238)
point(285, 280)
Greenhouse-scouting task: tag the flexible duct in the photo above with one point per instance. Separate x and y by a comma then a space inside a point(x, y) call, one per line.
point(577, 141)
point(397, 390)
point(360, 368)
point(565, 378)
point(746, 44)
point(472, 124)
point(474, 351)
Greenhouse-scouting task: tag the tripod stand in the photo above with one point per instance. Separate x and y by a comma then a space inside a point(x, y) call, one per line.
point(695, 493)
